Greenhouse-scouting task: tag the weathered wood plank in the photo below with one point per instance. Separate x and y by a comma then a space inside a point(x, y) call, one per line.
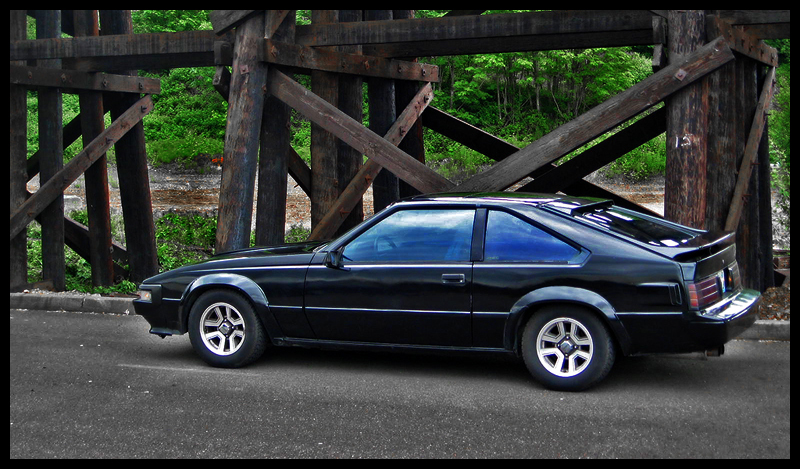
point(294, 55)
point(741, 41)
point(242, 138)
point(58, 183)
point(751, 151)
point(475, 27)
point(225, 20)
point(363, 179)
point(275, 140)
point(96, 176)
point(355, 135)
point(48, 24)
point(134, 187)
point(70, 81)
point(602, 118)
point(627, 139)
point(125, 51)
point(498, 149)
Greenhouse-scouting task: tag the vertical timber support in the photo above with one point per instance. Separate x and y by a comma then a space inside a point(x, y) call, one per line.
point(134, 182)
point(97, 193)
point(18, 143)
point(405, 90)
point(324, 147)
point(687, 127)
point(272, 162)
point(385, 188)
point(51, 159)
point(351, 102)
point(240, 156)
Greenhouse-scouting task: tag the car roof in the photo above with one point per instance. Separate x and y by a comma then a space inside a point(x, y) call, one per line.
point(558, 201)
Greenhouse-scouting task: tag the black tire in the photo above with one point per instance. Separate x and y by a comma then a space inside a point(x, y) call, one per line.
point(225, 331)
point(567, 348)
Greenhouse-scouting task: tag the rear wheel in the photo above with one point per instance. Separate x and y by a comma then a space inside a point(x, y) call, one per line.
point(567, 348)
point(224, 329)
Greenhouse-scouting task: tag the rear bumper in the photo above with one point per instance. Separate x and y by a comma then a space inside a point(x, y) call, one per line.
point(727, 319)
point(691, 331)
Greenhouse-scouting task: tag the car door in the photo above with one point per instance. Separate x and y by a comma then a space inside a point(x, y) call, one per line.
point(404, 280)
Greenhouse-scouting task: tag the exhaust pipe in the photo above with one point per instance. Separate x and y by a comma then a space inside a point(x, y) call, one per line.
point(716, 352)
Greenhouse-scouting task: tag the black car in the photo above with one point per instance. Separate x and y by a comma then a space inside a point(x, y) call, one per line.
point(566, 283)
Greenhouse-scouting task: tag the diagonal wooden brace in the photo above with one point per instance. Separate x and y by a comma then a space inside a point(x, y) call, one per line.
point(601, 118)
point(750, 152)
point(356, 135)
point(77, 165)
point(332, 220)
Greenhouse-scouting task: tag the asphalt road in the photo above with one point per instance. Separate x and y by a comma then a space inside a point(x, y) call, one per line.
point(100, 386)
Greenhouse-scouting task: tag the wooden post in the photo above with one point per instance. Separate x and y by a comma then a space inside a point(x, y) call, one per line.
point(272, 162)
point(351, 102)
point(240, 157)
point(687, 127)
point(385, 188)
point(324, 190)
point(18, 144)
point(404, 92)
point(134, 181)
point(97, 192)
point(51, 160)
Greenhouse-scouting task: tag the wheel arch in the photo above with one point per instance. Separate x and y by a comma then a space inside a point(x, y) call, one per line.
point(533, 301)
point(233, 282)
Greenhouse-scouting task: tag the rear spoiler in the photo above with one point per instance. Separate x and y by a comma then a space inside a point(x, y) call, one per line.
point(704, 246)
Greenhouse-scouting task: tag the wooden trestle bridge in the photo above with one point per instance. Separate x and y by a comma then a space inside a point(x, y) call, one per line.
point(711, 69)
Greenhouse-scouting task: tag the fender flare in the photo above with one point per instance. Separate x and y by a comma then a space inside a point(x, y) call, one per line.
point(521, 311)
point(244, 285)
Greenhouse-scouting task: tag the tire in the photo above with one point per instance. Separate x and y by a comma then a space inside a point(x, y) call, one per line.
point(225, 331)
point(567, 348)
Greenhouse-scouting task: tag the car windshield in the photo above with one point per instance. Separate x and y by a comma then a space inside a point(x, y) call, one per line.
point(637, 226)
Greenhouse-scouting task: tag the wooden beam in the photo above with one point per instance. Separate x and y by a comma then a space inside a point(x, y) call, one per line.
point(741, 41)
point(225, 20)
point(363, 179)
point(750, 152)
point(475, 27)
point(70, 81)
point(125, 51)
point(293, 55)
point(601, 118)
point(242, 138)
point(498, 149)
point(627, 139)
point(354, 134)
point(77, 165)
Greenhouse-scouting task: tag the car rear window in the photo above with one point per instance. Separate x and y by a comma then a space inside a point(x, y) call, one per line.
point(637, 226)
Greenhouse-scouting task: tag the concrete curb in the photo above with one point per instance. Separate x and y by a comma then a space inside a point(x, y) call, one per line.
point(761, 330)
point(72, 302)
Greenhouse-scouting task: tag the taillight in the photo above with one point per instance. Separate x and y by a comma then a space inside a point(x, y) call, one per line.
point(712, 289)
point(704, 292)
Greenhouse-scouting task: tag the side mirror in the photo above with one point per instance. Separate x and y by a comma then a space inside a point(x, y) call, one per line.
point(334, 260)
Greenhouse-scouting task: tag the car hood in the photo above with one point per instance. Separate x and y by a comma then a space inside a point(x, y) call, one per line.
point(289, 254)
point(282, 250)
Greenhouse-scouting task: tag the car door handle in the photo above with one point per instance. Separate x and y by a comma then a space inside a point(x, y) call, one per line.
point(456, 279)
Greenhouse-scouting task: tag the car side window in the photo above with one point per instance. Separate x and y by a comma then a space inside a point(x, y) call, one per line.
point(511, 239)
point(415, 236)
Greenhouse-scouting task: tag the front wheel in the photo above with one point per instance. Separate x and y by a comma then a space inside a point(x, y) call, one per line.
point(225, 331)
point(567, 348)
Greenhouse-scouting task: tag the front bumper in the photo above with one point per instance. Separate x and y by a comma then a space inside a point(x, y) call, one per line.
point(160, 314)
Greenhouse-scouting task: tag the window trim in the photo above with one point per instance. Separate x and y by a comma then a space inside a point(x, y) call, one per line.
point(342, 245)
point(579, 258)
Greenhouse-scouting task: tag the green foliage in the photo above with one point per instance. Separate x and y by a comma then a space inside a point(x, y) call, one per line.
point(779, 128)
